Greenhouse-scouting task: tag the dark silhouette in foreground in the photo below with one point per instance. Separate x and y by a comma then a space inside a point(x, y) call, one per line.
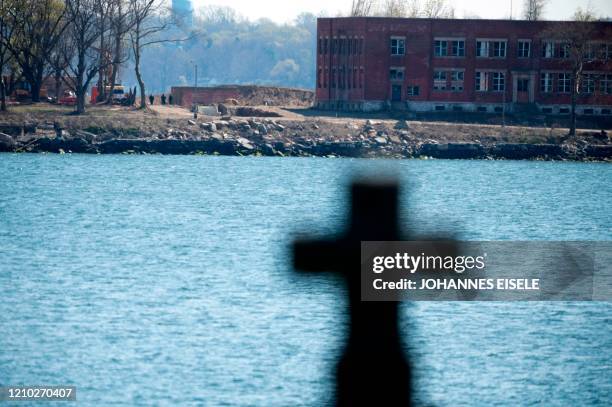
point(373, 369)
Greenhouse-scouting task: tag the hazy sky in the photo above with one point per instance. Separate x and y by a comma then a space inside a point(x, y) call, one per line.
point(286, 10)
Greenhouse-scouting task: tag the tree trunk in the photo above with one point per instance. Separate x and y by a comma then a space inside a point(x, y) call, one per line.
point(35, 90)
point(80, 94)
point(143, 100)
point(115, 67)
point(58, 84)
point(575, 90)
point(2, 95)
point(36, 84)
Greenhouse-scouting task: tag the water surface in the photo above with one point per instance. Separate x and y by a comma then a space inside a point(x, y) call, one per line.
point(165, 279)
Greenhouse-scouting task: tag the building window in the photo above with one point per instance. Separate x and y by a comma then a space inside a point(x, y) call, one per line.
point(439, 80)
point(588, 83)
point(564, 50)
point(319, 78)
point(563, 83)
point(499, 49)
point(524, 49)
point(457, 81)
point(413, 91)
point(522, 85)
point(333, 78)
point(440, 49)
point(548, 49)
point(481, 81)
point(605, 84)
point(482, 49)
point(605, 51)
point(458, 48)
point(354, 77)
point(546, 82)
point(396, 74)
point(398, 46)
point(494, 49)
point(499, 82)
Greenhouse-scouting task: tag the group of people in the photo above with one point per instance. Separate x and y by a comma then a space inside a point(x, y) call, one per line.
point(163, 99)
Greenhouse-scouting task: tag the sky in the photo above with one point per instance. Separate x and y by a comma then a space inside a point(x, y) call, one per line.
point(285, 10)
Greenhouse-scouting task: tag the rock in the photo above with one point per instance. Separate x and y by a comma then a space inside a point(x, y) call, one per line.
point(402, 124)
point(452, 150)
point(380, 140)
point(217, 136)
point(394, 139)
point(279, 127)
point(222, 109)
point(6, 143)
point(245, 143)
point(191, 122)
point(208, 126)
point(599, 151)
point(262, 128)
point(90, 137)
point(527, 151)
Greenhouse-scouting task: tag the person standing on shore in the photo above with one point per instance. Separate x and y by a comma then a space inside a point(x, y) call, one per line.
point(170, 99)
point(163, 99)
point(151, 99)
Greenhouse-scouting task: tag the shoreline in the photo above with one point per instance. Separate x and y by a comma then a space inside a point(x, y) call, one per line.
point(279, 133)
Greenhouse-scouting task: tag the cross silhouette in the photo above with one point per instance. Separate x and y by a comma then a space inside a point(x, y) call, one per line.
point(373, 369)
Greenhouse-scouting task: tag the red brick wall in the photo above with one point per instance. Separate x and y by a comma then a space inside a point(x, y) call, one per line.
point(419, 61)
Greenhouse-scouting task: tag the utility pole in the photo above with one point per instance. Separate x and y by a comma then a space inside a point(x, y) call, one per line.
point(196, 75)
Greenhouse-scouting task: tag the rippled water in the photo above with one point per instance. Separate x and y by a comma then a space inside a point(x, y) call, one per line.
point(165, 280)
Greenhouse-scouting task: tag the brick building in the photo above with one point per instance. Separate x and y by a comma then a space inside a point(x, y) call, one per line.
point(374, 63)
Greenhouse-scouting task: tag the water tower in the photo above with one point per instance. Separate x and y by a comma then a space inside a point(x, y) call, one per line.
point(183, 10)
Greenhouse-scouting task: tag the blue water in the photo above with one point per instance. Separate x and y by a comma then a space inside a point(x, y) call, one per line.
point(165, 279)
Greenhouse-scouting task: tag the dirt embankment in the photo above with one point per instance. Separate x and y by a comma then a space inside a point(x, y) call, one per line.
point(293, 135)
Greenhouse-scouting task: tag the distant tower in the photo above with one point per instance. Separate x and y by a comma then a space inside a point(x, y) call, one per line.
point(183, 10)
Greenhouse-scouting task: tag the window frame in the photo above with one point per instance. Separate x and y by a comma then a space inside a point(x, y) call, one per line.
point(546, 82)
point(442, 47)
point(481, 78)
point(397, 70)
point(564, 85)
point(520, 50)
point(498, 84)
point(395, 49)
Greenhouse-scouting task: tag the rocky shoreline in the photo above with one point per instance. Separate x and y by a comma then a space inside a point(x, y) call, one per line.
point(274, 137)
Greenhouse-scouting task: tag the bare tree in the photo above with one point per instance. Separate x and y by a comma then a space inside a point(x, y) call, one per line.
point(38, 25)
point(533, 10)
point(413, 8)
point(575, 40)
point(362, 8)
point(395, 8)
point(6, 35)
point(59, 60)
point(437, 9)
point(84, 35)
point(120, 24)
point(104, 9)
point(149, 21)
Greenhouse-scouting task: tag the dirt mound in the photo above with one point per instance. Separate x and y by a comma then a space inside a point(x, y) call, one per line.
point(247, 95)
